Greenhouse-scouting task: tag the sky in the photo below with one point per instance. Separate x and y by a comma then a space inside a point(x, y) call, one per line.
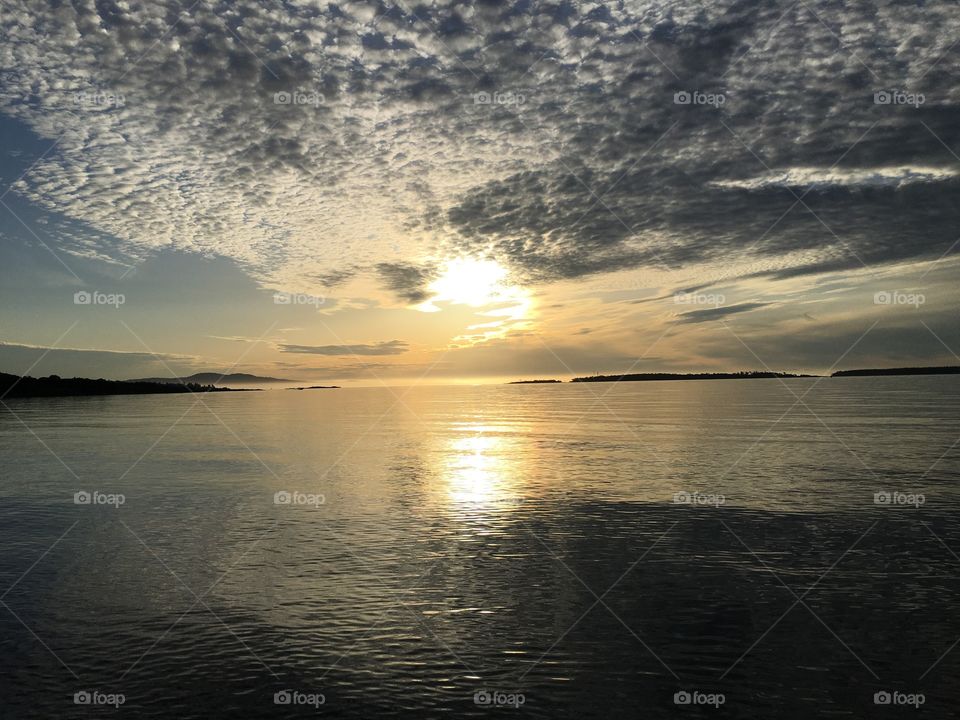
point(469, 192)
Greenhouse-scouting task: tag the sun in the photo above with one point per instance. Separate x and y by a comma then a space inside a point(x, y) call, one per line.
point(480, 284)
point(469, 281)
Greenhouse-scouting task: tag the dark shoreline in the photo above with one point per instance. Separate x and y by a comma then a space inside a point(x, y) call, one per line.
point(534, 382)
point(653, 377)
point(945, 370)
point(15, 386)
point(750, 375)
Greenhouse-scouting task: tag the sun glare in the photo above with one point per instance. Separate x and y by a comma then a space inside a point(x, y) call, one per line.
point(471, 282)
point(480, 284)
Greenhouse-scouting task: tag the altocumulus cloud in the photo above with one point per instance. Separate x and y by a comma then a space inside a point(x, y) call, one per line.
point(288, 135)
point(390, 347)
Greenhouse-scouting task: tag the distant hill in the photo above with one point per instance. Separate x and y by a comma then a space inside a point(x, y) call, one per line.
point(946, 370)
point(212, 378)
point(532, 382)
point(743, 375)
point(15, 386)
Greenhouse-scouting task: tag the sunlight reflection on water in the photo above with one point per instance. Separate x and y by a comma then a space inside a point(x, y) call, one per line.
point(479, 471)
point(464, 540)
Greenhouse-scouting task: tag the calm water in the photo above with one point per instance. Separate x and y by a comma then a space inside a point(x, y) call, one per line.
point(463, 542)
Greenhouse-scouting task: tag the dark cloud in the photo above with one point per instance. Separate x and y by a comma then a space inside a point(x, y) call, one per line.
point(391, 347)
point(333, 278)
point(718, 313)
point(798, 159)
point(407, 281)
point(551, 228)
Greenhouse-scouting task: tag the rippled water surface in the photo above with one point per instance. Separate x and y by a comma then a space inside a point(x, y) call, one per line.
point(591, 550)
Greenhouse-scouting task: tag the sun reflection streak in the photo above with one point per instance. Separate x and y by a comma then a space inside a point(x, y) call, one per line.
point(478, 471)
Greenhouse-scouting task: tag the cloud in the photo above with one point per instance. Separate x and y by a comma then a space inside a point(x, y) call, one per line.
point(407, 281)
point(237, 338)
point(839, 345)
point(718, 313)
point(391, 347)
point(336, 277)
point(38, 361)
point(802, 177)
point(301, 141)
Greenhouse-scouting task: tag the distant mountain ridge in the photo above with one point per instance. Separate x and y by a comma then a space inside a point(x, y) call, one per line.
point(212, 378)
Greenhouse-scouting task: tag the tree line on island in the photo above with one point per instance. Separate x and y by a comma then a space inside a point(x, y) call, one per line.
point(748, 375)
point(55, 386)
point(15, 386)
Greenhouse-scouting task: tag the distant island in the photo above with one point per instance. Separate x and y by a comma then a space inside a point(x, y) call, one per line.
point(15, 386)
point(317, 387)
point(742, 375)
point(212, 378)
point(947, 370)
point(751, 375)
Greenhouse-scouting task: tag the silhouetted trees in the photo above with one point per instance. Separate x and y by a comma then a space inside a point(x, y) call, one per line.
point(55, 386)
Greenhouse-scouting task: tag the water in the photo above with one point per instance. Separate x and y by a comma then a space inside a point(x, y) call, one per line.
point(515, 539)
